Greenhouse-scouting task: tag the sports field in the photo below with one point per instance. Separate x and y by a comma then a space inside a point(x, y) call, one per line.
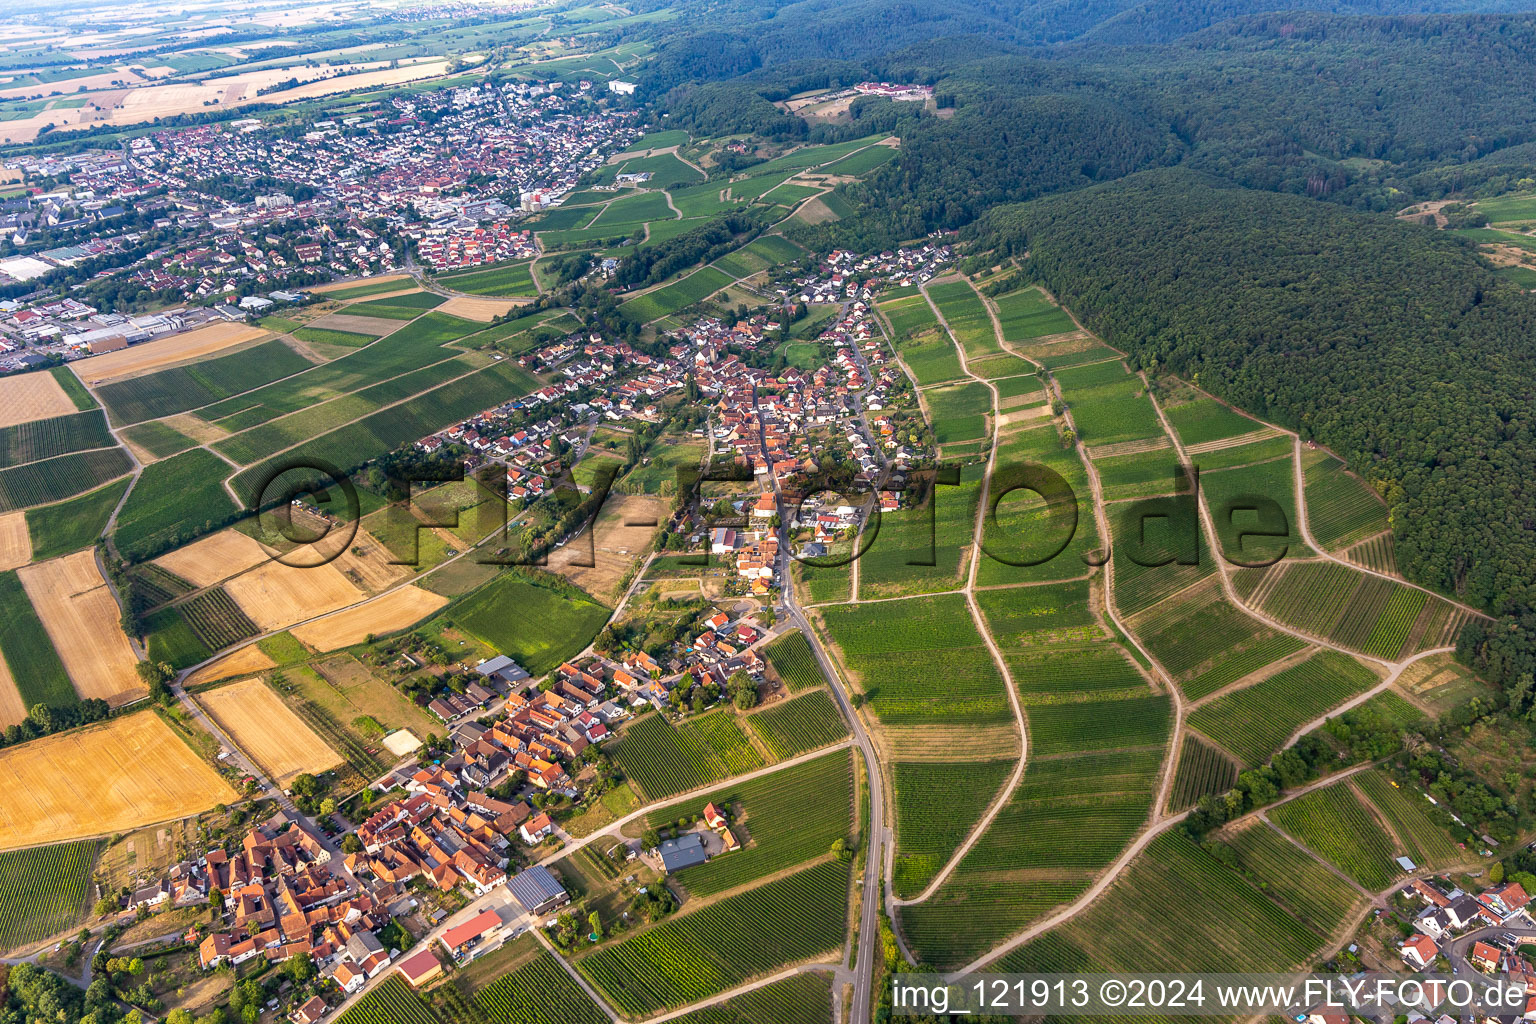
point(262, 726)
point(106, 778)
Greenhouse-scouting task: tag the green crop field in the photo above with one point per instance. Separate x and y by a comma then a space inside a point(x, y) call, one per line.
point(1256, 721)
point(392, 1002)
point(1225, 492)
point(657, 472)
point(1016, 387)
point(1340, 507)
point(1139, 475)
point(784, 819)
point(172, 502)
point(922, 550)
point(937, 805)
point(76, 391)
point(1036, 615)
point(1028, 540)
point(1068, 818)
point(1425, 840)
point(1066, 726)
point(217, 620)
point(758, 255)
point(534, 624)
point(34, 664)
point(1263, 450)
point(362, 291)
point(792, 658)
point(1027, 314)
point(1296, 881)
point(1205, 643)
point(1206, 419)
point(158, 439)
point(537, 991)
point(74, 524)
point(169, 637)
point(1203, 771)
point(795, 726)
point(1114, 412)
point(884, 646)
point(966, 316)
point(931, 357)
point(798, 999)
point(862, 162)
point(909, 315)
point(330, 336)
point(1508, 209)
point(959, 411)
point(183, 388)
point(64, 476)
point(60, 435)
point(1087, 375)
point(663, 760)
point(1139, 586)
point(502, 279)
point(1176, 908)
point(418, 300)
point(694, 955)
point(676, 296)
point(44, 890)
point(1339, 828)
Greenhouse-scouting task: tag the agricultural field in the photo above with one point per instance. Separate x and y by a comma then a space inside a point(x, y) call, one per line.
point(1333, 823)
point(1425, 840)
point(44, 439)
point(799, 999)
point(783, 819)
point(1202, 771)
point(761, 253)
point(1341, 508)
point(170, 503)
point(537, 624)
point(262, 726)
point(967, 317)
point(534, 989)
point(792, 658)
point(1025, 616)
point(1290, 877)
point(657, 472)
point(1029, 540)
point(34, 396)
point(662, 759)
point(909, 316)
point(1027, 314)
point(332, 336)
point(937, 804)
point(157, 439)
point(381, 616)
point(693, 955)
point(931, 357)
point(959, 411)
point(1205, 420)
point(183, 388)
point(923, 549)
point(393, 1002)
point(33, 666)
point(795, 726)
point(53, 480)
point(1255, 721)
point(504, 279)
point(1175, 908)
point(110, 777)
point(882, 644)
point(1069, 817)
point(82, 619)
point(1112, 413)
point(1224, 492)
point(676, 296)
point(44, 890)
point(1205, 643)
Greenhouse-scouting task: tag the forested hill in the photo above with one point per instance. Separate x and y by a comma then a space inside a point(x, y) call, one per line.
point(1390, 343)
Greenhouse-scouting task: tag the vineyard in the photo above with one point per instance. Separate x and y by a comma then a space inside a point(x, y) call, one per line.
point(923, 549)
point(883, 646)
point(1137, 586)
point(1098, 724)
point(1032, 615)
point(1293, 878)
point(805, 723)
point(1256, 721)
point(1205, 420)
point(937, 804)
point(799, 999)
point(34, 664)
point(694, 955)
point(1114, 412)
point(392, 1002)
point(183, 388)
point(44, 890)
point(792, 658)
point(931, 357)
point(1068, 818)
point(1340, 506)
point(44, 439)
point(1203, 770)
point(366, 764)
point(537, 992)
point(909, 316)
point(662, 760)
point(1205, 643)
point(538, 626)
point(1426, 840)
point(676, 296)
point(959, 411)
point(1226, 490)
point(1176, 908)
point(966, 316)
point(41, 483)
point(171, 502)
point(216, 619)
point(1342, 830)
point(1055, 675)
point(71, 525)
point(1027, 314)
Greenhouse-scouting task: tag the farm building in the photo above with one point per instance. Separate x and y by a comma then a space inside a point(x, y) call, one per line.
point(682, 852)
point(460, 939)
point(420, 968)
point(538, 890)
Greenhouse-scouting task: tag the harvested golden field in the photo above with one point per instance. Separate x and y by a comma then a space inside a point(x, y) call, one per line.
point(275, 595)
point(247, 661)
point(163, 352)
point(82, 620)
point(12, 708)
point(375, 325)
point(214, 558)
point(481, 310)
point(263, 726)
point(15, 542)
point(119, 775)
point(620, 539)
point(336, 286)
point(395, 610)
point(25, 397)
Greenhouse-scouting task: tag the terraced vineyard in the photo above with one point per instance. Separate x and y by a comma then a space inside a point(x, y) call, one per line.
point(1338, 827)
point(694, 955)
point(44, 890)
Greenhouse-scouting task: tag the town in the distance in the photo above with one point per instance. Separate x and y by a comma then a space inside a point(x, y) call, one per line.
point(516, 513)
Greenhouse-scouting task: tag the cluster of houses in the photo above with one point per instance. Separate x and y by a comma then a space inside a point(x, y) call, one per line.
point(1448, 912)
point(457, 248)
point(845, 275)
